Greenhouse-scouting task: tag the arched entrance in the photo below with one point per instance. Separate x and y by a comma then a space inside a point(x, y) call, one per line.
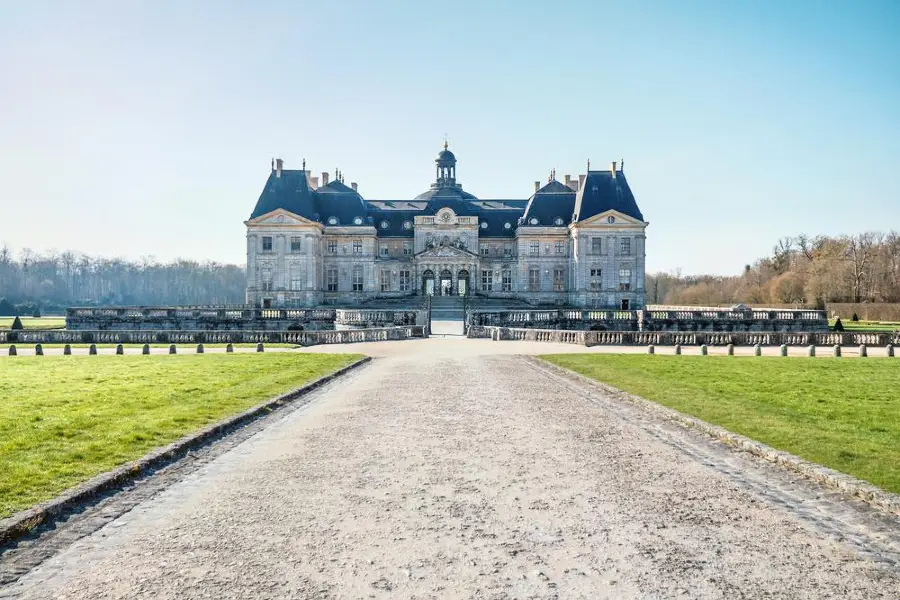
point(428, 283)
point(462, 282)
point(446, 283)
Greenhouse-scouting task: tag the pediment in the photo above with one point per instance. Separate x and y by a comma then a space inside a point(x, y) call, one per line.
point(280, 217)
point(618, 219)
point(445, 252)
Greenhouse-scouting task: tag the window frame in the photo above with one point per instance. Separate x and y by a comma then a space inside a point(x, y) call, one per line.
point(534, 279)
point(271, 243)
point(331, 280)
point(296, 244)
point(357, 281)
point(506, 279)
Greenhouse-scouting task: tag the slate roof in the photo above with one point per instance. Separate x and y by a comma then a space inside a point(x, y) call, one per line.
point(601, 192)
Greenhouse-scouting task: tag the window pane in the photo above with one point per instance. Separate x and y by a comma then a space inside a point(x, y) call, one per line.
point(295, 244)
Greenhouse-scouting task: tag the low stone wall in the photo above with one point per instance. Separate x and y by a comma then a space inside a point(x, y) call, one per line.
point(645, 338)
point(230, 318)
point(680, 320)
point(142, 336)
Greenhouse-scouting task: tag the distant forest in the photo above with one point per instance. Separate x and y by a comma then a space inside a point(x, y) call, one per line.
point(802, 270)
point(54, 281)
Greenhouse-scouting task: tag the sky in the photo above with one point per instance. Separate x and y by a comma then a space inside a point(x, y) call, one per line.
point(146, 129)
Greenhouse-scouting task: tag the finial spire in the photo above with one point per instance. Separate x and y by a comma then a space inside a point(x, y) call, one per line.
point(445, 143)
point(304, 164)
point(589, 165)
point(622, 162)
point(273, 164)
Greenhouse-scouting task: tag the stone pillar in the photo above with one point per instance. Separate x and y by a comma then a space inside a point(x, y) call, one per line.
point(703, 350)
point(173, 349)
point(837, 350)
point(730, 350)
point(811, 351)
point(757, 350)
point(784, 350)
point(677, 349)
point(651, 349)
point(863, 352)
point(890, 350)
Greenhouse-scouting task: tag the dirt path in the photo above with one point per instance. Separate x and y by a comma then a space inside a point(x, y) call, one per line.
point(489, 478)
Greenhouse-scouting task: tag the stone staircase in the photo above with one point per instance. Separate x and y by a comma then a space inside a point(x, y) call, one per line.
point(447, 315)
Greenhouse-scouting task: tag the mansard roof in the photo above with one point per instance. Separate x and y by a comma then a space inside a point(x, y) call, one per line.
point(550, 203)
point(290, 191)
point(602, 191)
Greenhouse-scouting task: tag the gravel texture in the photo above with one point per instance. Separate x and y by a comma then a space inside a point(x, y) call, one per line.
point(489, 477)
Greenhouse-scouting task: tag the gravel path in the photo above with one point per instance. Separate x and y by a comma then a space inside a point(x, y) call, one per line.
point(487, 478)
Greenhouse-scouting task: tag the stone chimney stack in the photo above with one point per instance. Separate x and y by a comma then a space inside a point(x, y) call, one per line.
point(324, 178)
point(278, 165)
point(353, 185)
point(314, 183)
point(613, 169)
point(537, 186)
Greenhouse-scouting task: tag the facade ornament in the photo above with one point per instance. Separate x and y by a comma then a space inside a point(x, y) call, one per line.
point(622, 168)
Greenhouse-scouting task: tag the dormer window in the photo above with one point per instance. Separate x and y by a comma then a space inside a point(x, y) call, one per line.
point(357, 220)
point(385, 224)
point(407, 225)
point(484, 224)
point(332, 221)
point(559, 222)
point(507, 225)
point(533, 221)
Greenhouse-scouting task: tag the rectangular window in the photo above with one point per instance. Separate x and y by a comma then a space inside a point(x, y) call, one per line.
point(559, 279)
point(625, 246)
point(407, 249)
point(385, 250)
point(265, 280)
point(535, 248)
point(357, 246)
point(385, 280)
point(595, 245)
point(357, 278)
point(267, 243)
point(560, 247)
point(484, 249)
point(332, 247)
point(624, 280)
point(596, 279)
point(487, 280)
point(506, 280)
point(534, 280)
point(507, 251)
point(331, 280)
point(295, 243)
point(404, 281)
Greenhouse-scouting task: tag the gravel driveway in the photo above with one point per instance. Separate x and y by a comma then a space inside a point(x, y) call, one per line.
point(453, 475)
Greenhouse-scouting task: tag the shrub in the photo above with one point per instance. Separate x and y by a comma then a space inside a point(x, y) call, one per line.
point(17, 324)
point(838, 326)
point(855, 317)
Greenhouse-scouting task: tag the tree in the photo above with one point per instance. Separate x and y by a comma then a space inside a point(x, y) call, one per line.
point(6, 308)
point(17, 324)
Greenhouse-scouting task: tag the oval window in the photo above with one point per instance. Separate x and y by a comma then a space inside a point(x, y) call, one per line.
point(533, 221)
point(385, 224)
point(559, 221)
point(332, 220)
point(407, 225)
point(610, 219)
point(484, 224)
point(357, 220)
point(507, 225)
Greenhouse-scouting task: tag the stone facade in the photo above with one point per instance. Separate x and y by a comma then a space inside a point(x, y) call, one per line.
point(579, 243)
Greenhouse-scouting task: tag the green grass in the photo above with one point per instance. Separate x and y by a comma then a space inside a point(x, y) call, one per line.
point(64, 419)
point(844, 414)
point(32, 323)
point(873, 326)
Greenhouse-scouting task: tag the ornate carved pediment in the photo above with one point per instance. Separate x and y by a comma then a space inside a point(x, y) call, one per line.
point(445, 252)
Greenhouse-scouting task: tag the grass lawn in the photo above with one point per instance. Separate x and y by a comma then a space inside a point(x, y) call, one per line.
point(873, 326)
point(841, 413)
point(64, 419)
point(32, 323)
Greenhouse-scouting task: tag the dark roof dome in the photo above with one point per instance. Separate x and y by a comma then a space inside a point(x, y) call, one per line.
point(445, 156)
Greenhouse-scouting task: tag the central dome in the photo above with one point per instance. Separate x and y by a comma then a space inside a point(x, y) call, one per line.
point(445, 157)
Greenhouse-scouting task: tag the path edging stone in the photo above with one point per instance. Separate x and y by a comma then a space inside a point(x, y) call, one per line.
point(863, 490)
point(21, 523)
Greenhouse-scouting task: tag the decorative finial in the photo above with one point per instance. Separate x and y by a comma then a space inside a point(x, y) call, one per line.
point(304, 164)
point(273, 164)
point(445, 143)
point(589, 165)
point(622, 168)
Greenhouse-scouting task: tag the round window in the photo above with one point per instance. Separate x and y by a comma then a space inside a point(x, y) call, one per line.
point(385, 224)
point(407, 225)
point(559, 221)
point(507, 225)
point(484, 224)
point(533, 221)
point(357, 220)
point(610, 219)
point(332, 220)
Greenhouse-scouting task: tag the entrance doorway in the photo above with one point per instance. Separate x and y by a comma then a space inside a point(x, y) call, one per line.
point(462, 282)
point(267, 303)
point(625, 304)
point(428, 282)
point(446, 283)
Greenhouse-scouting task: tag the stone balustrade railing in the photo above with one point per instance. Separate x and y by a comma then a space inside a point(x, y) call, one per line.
point(145, 336)
point(373, 317)
point(685, 338)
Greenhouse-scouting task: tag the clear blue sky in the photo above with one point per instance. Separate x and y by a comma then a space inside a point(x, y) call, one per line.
point(147, 130)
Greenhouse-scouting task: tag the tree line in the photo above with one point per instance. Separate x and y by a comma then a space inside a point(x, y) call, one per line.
point(52, 281)
point(801, 270)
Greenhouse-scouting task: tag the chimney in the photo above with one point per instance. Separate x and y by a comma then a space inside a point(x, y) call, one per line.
point(570, 184)
point(353, 185)
point(581, 179)
point(537, 186)
point(314, 183)
point(278, 164)
point(613, 169)
point(324, 178)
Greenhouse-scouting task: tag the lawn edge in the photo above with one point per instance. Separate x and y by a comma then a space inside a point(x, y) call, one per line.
point(23, 522)
point(863, 490)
